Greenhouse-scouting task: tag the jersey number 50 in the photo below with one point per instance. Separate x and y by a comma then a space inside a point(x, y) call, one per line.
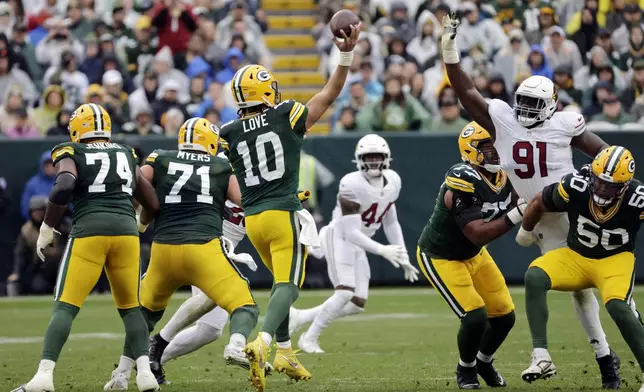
point(262, 159)
point(590, 234)
point(523, 154)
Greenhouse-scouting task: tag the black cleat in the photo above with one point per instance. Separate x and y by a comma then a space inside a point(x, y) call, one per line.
point(490, 375)
point(609, 369)
point(466, 377)
point(157, 346)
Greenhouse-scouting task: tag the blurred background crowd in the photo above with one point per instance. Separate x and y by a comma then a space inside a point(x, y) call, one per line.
point(155, 63)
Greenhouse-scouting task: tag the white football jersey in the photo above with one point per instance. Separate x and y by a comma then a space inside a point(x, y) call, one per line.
point(536, 157)
point(233, 220)
point(374, 201)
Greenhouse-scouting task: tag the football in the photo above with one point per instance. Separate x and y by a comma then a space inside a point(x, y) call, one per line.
point(341, 21)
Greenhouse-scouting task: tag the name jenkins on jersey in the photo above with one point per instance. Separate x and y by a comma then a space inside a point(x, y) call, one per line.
point(105, 182)
point(594, 232)
point(442, 237)
point(265, 154)
point(192, 190)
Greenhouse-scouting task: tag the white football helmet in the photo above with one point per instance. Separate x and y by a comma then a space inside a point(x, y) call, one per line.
point(372, 144)
point(535, 100)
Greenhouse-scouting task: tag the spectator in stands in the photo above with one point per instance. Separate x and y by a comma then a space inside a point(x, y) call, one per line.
point(11, 75)
point(633, 97)
point(115, 99)
point(210, 10)
point(196, 66)
point(95, 94)
point(612, 112)
point(140, 51)
point(600, 92)
point(424, 45)
point(92, 66)
point(197, 91)
point(509, 10)
point(215, 100)
point(473, 31)
point(538, 62)
point(67, 75)
point(605, 72)
point(22, 127)
point(13, 101)
point(214, 52)
point(175, 24)
point(62, 124)
point(51, 103)
point(416, 89)
point(118, 28)
point(584, 26)
point(632, 17)
point(561, 51)
point(146, 94)
point(497, 89)
point(143, 123)
point(238, 13)
point(232, 62)
point(399, 20)
point(356, 98)
point(603, 40)
point(564, 82)
point(397, 52)
point(167, 98)
point(587, 76)
point(253, 43)
point(635, 47)
point(395, 111)
point(450, 119)
point(172, 121)
point(346, 121)
point(213, 116)
point(38, 185)
point(30, 275)
point(547, 19)
point(163, 66)
point(510, 60)
point(78, 25)
point(21, 46)
point(7, 19)
point(49, 50)
point(252, 52)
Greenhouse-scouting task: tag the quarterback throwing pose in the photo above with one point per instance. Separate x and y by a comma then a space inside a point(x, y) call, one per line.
point(534, 145)
point(605, 208)
point(365, 201)
point(265, 145)
point(474, 206)
point(99, 177)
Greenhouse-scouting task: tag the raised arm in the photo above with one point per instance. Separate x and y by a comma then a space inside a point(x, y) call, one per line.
point(467, 93)
point(325, 98)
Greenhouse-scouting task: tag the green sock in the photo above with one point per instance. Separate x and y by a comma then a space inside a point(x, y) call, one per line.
point(497, 330)
point(58, 329)
point(470, 334)
point(136, 332)
point(537, 284)
point(152, 317)
point(243, 320)
point(282, 297)
point(282, 335)
point(629, 326)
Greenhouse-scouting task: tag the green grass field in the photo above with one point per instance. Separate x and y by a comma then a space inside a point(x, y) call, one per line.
point(405, 341)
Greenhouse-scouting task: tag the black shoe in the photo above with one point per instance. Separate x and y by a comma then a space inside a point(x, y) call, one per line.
point(157, 346)
point(490, 375)
point(609, 369)
point(466, 377)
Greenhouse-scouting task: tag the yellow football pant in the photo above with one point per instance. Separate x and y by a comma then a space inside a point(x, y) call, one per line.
point(83, 261)
point(569, 271)
point(275, 234)
point(470, 284)
point(205, 266)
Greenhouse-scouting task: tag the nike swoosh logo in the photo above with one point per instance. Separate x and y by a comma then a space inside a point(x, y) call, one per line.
point(293, 364)
point(457, 174)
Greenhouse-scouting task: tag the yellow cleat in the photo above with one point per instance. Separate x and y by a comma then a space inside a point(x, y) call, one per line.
point(286, 362)
point(257, 354)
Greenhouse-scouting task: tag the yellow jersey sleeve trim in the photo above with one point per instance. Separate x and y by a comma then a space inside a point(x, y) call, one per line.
point(134, 153)
point(59, 153)
point(642, 216)
point(152, 157)
point(459, 184)
point(563, 193)
point(296, 112)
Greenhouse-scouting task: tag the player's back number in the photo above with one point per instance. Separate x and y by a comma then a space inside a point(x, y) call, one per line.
point(259, 160)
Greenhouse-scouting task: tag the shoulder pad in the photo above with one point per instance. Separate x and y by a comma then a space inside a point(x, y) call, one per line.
point(572, 122)
point(63, 150)
point(393, 177)
point(570, 184)
point(350, 189)
point(153, 157)
point(462, 178)
point(498, 108)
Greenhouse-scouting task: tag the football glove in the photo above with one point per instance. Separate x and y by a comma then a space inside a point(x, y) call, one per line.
point(449, 48)
point(525, 237)
point(516, 214)
point(45, 238)
point(411, 272)
point(396, 254)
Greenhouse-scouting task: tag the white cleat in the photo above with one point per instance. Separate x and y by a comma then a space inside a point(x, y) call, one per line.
point(119, 382)
point(541, 367)
point(146, 381)
point(294, 322)
point(41, 382)
point(308, 345)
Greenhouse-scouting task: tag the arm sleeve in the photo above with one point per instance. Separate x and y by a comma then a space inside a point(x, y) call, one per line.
point(352, 229)
point(466, 208)
point(392, 228)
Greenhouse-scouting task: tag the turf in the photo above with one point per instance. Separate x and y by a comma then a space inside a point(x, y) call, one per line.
point(404, 342)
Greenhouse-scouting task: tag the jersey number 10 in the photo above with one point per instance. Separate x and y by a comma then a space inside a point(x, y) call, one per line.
point(523, 154)
point(262, 160)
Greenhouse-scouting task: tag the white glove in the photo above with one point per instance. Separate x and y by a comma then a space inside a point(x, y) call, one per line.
point(315, 251)
point(141, 226)
point(516, 214)
point(241, 258)
point(411, 272)
point(396, 254)
point(45, 238)
point(448, 43)
point(525, 237)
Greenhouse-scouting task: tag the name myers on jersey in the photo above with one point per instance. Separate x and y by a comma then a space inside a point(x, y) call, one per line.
point(193, 156)
point(254, 123)
point(102, 146)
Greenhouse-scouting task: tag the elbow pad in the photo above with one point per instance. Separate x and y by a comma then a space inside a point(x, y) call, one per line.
point(63, 188)
point(466, 208)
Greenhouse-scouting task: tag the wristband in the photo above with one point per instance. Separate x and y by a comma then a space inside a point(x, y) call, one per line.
point(514, 216)
point(346, 58)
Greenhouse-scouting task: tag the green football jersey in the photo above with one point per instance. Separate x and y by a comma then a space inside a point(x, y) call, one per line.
point(105, 183)
point(442, 237)
point(594, 232)
point(192, 189)
point(265, 154)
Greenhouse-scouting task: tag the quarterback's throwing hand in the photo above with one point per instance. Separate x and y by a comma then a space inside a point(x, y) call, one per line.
point(45, 238)
point(348, 42)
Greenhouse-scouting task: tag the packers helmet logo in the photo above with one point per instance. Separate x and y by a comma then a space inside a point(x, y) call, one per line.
point(263, 76)
point(467, 132)
point(214, 129)
point(631, 166)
